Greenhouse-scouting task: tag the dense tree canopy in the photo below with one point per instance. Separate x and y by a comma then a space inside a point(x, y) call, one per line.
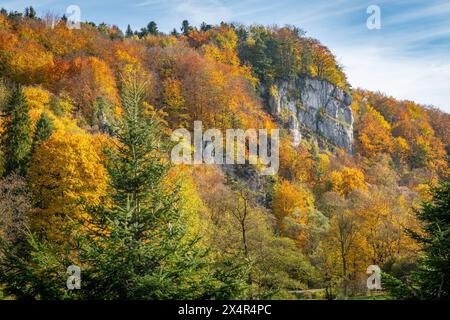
point(85, 121)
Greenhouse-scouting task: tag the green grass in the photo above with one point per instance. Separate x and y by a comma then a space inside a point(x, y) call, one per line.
point(374, 297)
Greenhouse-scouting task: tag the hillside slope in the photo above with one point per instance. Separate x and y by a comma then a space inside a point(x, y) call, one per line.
point(345, 190)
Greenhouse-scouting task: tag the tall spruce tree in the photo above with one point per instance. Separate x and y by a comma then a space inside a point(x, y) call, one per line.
point(30, 12)
point(152, 28)
point(141, 249)
point(431, 280)
point(17, 141)
point(44, 129)
point(433, 274)
point(129, 32)
point(186, 27)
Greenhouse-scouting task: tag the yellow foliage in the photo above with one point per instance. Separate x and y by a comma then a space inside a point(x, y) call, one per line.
point(401, 149)
point(347, 180)
point(125, 57)
point(288, 198)
point(295, 163)
point(4, 23)
point(30, 63)
point(222, 47)
point(175, 102)
point(38, 100)
point(374, 134)
point(64, 170)
point(223, 56)
point(324, 65)
point(424, 192)
point(321, 165)
point(193, 207)
point(37, 97)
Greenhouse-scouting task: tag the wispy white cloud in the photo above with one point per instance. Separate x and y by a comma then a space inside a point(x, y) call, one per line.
point(150, 3)
point(432, 11)
point(423, 80)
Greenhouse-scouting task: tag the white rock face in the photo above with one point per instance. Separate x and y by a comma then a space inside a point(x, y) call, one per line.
point(317, 105)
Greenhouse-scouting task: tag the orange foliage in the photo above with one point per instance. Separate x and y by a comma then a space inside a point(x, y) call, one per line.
point(373, 134)
point(91, 79)
point(347, 180)
point(289, 198)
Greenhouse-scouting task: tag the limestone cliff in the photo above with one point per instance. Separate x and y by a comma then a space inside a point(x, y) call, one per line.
point(314, 105)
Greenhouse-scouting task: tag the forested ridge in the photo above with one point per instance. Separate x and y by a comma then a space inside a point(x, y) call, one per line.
point(86, 178)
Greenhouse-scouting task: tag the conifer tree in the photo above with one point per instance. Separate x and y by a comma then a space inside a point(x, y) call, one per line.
point(30, 12)
point(152, 28)
point(430, 281)
point(186, 27)
point(142, 250)
point(17, 137)
point(432, 274)
point(44, 129)
point(128, 32)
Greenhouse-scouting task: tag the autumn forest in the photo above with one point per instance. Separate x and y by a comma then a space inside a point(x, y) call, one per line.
point(86, 180)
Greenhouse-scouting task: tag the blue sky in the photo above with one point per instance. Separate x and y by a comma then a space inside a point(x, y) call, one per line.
point(408, 58)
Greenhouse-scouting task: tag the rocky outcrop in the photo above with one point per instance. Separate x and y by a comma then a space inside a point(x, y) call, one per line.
point(315, 105)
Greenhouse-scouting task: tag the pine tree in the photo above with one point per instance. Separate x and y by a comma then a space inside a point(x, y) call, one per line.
point(128, 32)
point(17, 138)
point(30, 12)
point(141, 249)
point(434, 269)
point(44, 129)
point(205, 27)
point(152, 28)
point(186, 27)
point(431, 279)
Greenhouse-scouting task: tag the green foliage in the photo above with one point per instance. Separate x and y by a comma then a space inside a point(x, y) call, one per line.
point(397, 288)
point(44, 130)
point(430, 280)
point(152, 28)
point(30, 12)
point(4, 93)
point(258, 51)
point(140, 241)
point(284, 268)
point(128, 32)
point(284, 54)
point(142, 250)
point(16, 142)
point(186, 27)
point(37, 273)
point(432, 274)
